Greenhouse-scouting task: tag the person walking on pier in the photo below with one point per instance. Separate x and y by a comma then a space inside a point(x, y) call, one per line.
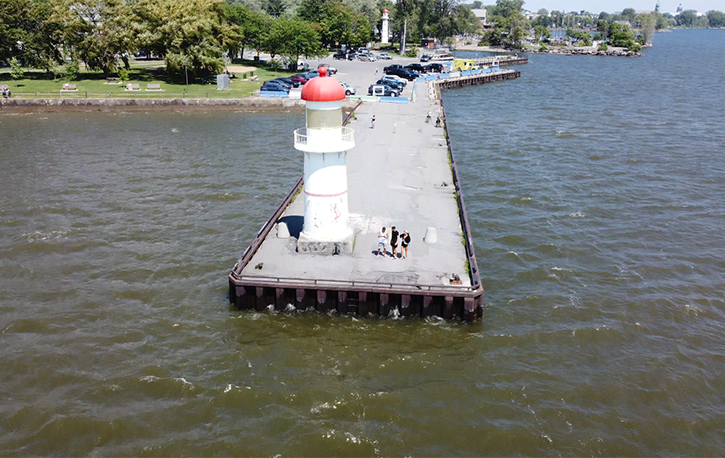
point(404, 242)
point(372, 122)
point(382, 240)
point(394, 241)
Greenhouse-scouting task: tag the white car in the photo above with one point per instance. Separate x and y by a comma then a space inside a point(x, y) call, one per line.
point(395, 78)
point(349, 90)
point(384, 56)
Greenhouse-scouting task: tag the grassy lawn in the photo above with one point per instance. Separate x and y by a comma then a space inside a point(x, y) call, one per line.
point(38, 83)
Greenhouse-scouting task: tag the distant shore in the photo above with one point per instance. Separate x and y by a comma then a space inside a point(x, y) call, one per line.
point(560, 50)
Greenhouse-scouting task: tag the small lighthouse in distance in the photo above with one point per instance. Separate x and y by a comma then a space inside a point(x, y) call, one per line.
point(325, 143)
point(384, 34)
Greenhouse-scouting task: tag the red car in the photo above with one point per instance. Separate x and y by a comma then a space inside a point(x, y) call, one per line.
point(299, 78)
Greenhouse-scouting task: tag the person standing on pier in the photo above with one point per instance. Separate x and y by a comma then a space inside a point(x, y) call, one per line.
point(372, 122)
point(404, 242)
point(394, 241)
point(382, 239)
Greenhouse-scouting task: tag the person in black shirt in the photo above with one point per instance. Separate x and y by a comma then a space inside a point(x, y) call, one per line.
point(394, 241)
point(404, 242)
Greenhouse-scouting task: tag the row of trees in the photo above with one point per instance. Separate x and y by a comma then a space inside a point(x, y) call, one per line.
point(198, 34)
point(510, 27)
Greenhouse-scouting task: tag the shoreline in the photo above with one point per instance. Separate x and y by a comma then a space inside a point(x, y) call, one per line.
point(562, 51)
point(55, 105)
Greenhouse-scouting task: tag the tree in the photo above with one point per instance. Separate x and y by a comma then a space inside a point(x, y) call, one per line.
point(603, 28)
point(99, 31)
point(629, 14)
point(252, 25)
point(293, 38)
point(691, 20)
point(190, 34)
point(620, 35)
point(541, 32)
point(16, 71)
point(29, 32)
point(507, 8)
point(274, 8)
point(341, 25)
point(716, 18)
point(477, 5)
point(404, 10)
point(647, 23)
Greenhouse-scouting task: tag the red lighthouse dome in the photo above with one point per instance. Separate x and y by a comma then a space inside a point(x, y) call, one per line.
point(323, 89)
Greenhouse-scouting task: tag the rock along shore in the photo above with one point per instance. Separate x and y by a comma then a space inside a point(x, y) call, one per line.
point(83, 104)
point(612, 52)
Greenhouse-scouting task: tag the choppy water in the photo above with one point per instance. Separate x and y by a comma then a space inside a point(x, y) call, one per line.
point(595, 189)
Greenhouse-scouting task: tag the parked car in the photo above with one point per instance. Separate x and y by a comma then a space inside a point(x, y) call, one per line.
point(340, 55)
point(403, 73)
point(395, 78)
point(349, 90)
point(384, 56)
point(279, 81)
point(289, 81)
point(394, 84)
point(387, 90)
point(434, 67)
point(330, 70)
point(416, 68)
point(389, 68)
point(312, 74)
point(299, 78)
point(351, 56)
point(425, 58)
point(271, 86)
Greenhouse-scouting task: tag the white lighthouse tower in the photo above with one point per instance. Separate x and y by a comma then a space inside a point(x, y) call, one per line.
point(384, 34)
point(325, 143)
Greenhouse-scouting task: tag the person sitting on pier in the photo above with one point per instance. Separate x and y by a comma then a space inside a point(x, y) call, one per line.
point(404, 242)
point(382, 239)
point(438, 121)
point(394, 242)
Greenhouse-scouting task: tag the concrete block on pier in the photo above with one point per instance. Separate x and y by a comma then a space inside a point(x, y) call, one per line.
point(431, 235)
point(282, 230)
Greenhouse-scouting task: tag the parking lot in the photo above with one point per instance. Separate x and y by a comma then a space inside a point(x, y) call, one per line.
point(357, 73)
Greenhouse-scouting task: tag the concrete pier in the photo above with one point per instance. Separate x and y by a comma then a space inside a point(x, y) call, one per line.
point(401, 173)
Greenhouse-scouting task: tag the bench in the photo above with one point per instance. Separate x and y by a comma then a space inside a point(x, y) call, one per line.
point(132, 87)
point(112, 80)
point(153, 87)
point(69, 88)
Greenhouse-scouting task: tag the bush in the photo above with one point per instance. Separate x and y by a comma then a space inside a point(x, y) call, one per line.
point(635, 47)
point(16, 71)
point(123, 75)
point(602, 47)
point(543, 48)
point(72, 69)
point(411, 53)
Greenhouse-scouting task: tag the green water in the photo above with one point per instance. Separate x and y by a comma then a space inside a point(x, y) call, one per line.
point(595, 192)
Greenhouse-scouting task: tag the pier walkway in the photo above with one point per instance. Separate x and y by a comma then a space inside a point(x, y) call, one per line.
point(399, 174)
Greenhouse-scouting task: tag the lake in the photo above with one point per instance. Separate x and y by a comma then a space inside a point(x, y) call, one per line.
point(595, 189)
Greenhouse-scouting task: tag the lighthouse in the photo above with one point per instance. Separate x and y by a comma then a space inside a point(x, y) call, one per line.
point(384, 35)
point(325, 143)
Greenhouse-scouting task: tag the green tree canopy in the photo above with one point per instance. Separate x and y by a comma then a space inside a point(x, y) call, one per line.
point(339, 25)
point(29, 32)
point(191, 33)
point(293, 38)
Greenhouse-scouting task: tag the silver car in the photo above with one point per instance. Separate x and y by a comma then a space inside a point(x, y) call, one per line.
point(349, 90)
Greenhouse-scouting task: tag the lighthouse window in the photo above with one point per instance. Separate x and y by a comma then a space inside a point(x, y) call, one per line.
point(324, 119)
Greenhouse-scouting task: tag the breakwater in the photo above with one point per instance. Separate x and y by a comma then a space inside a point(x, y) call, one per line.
point(441, 278)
